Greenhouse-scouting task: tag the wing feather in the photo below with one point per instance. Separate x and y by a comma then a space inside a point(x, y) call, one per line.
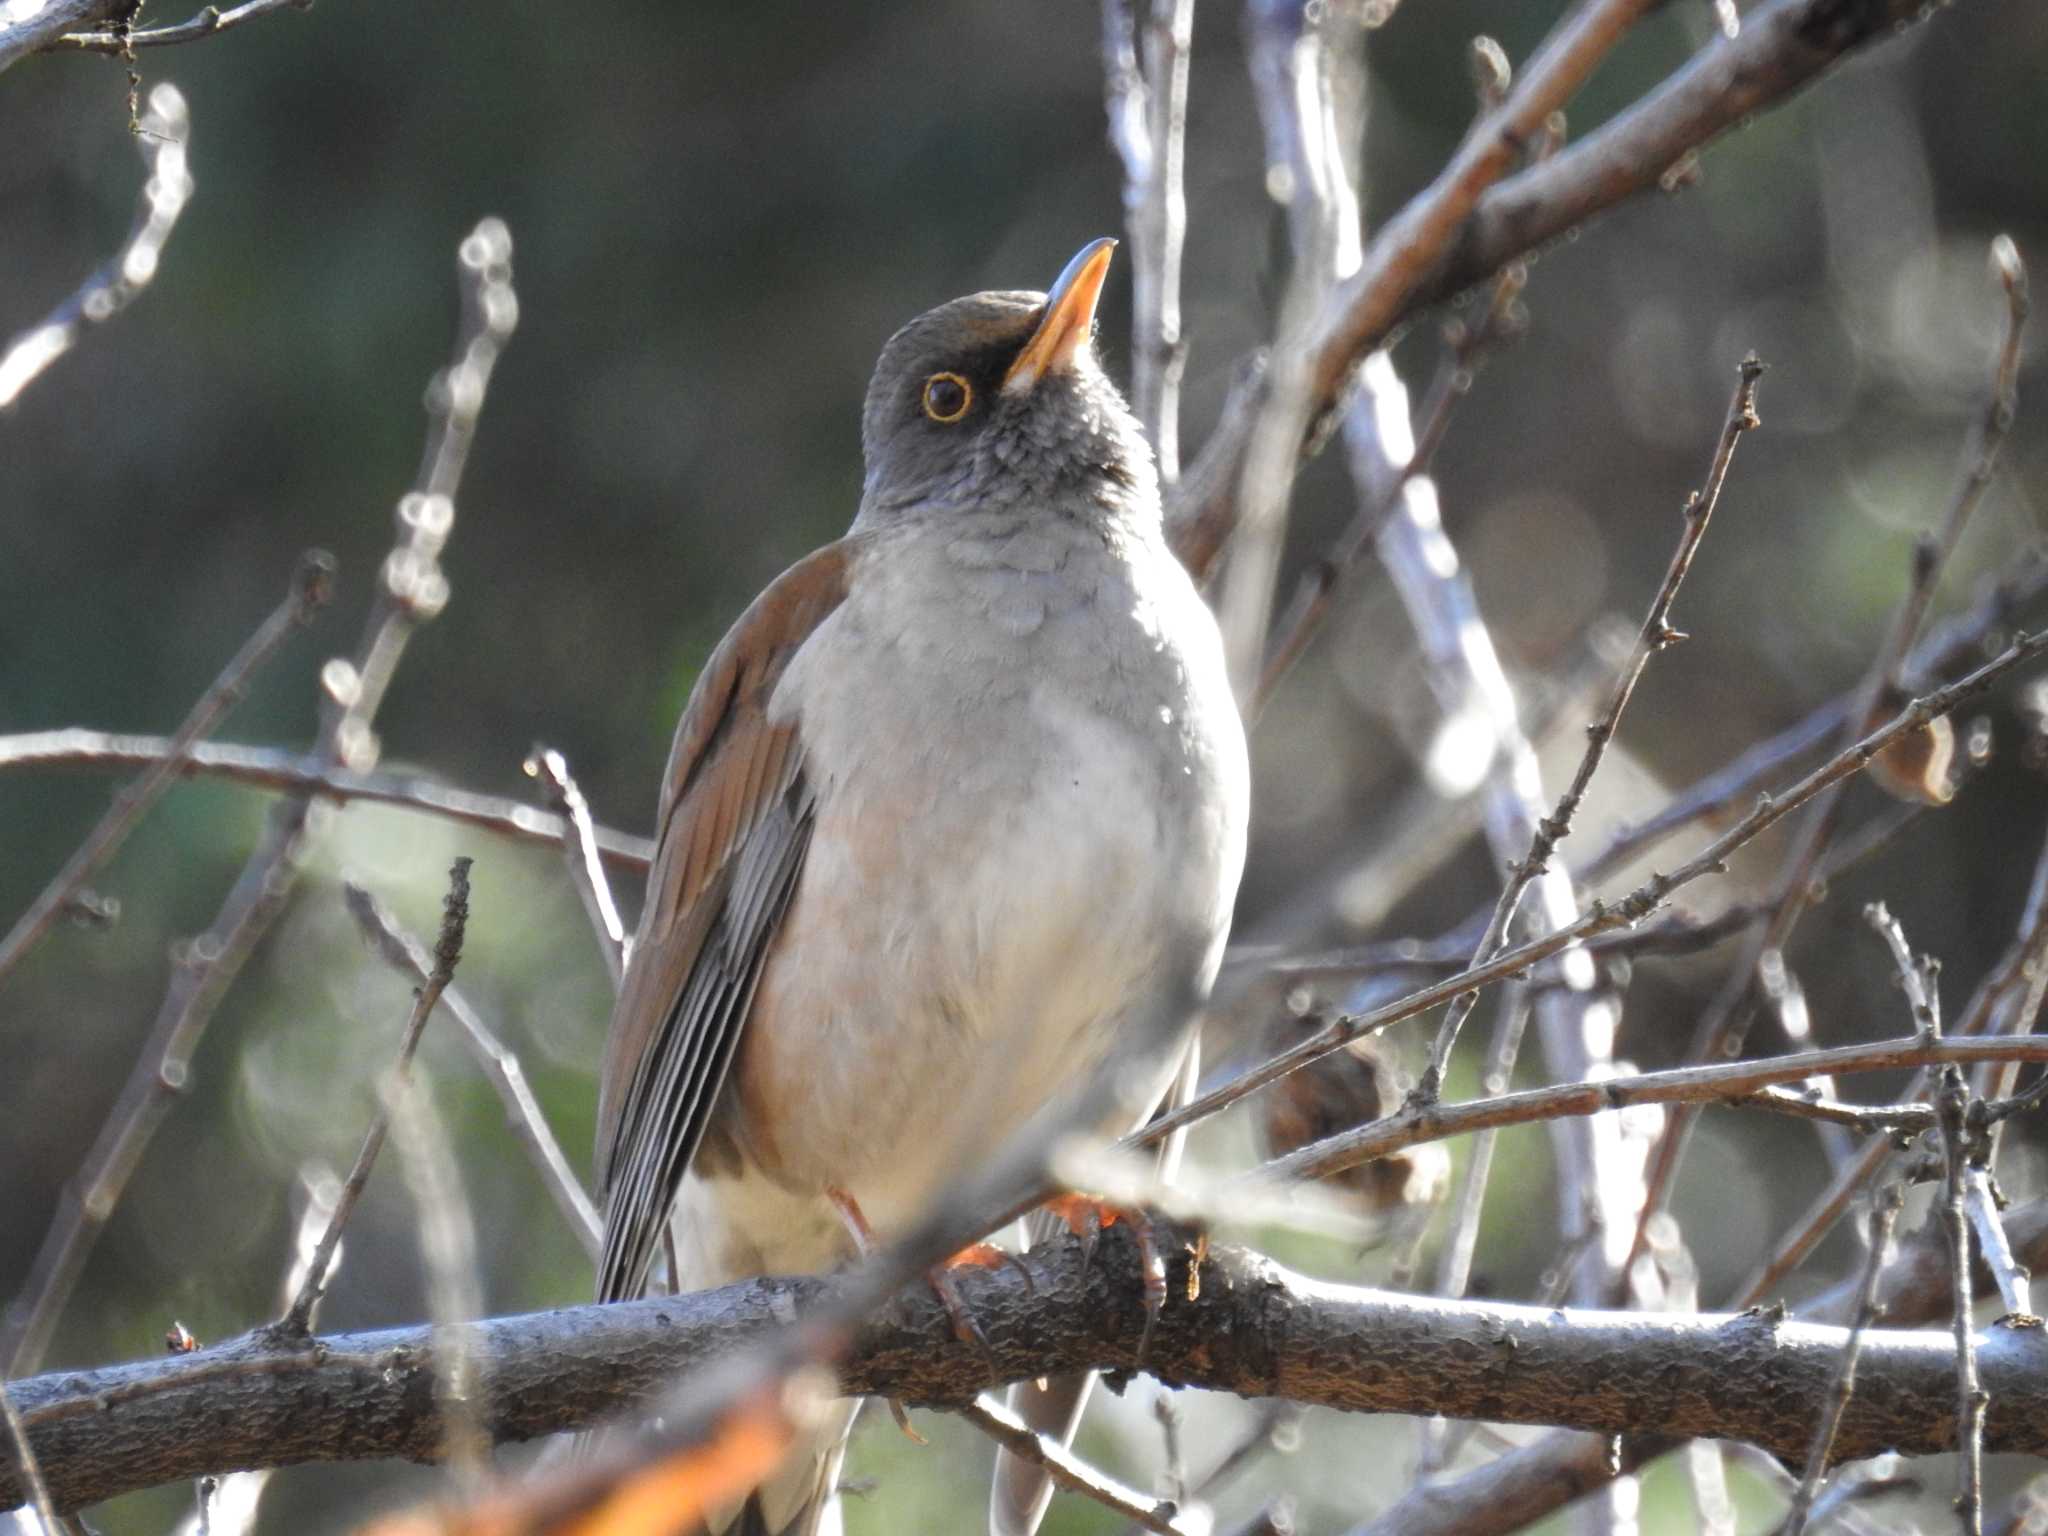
point(734, 824)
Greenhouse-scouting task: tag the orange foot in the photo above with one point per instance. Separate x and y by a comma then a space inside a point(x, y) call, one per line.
point(1086, 1217)
point(940, 1278)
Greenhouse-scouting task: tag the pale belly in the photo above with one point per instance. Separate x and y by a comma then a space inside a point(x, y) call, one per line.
point(997, 879)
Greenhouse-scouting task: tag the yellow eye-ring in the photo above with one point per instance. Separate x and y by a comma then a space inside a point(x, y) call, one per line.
point(947, 397)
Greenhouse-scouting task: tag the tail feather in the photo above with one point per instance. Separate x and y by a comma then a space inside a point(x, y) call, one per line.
point(1022, 1490)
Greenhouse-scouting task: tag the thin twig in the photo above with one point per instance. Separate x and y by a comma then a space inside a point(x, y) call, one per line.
point(301, 773)
point(407, 955)
point(1025, 1443)
point(209, 21)
point(2007, 1273)
point(1952, 1101)
point(163, 135)
point(1916, 973)
point(410, 590)
point(579, 847)
point(297, 1320)
point(1981, 1015)
point(1723, 1029)
point(1602, 917)
point(1867, 1314)
point(1699, 1084)
point(311, 586)
point(1956, 642)
point(1656, 635)
point(1871, 1119)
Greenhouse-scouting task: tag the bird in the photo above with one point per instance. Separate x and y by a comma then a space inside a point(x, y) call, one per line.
point(958, 797)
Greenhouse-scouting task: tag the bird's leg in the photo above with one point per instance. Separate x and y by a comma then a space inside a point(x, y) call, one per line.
point(856, 1223)
point(1086, 1216)
point(939, 1277)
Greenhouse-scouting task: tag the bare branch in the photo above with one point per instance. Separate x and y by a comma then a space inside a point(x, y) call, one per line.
point(48, 22)
point(297, 1320)
point(301, 773)
point(1603, 917)
point(1712, 1082)
point(1148, 131)
point(407, 955)
point(1784, 45)
point(209, 21)
point(1983, 1014)
point(312, 584)
point(1724, 1027)
point(579, 847)
point(1870, 1119)
point(1523, 1486)
point(1995, 1252)
point(1867, 1314)
point(163, 135)
point(1955, 643)
point(1655, 635)
point(410, 590)
point(1754, 1377)
point(1025, 1443)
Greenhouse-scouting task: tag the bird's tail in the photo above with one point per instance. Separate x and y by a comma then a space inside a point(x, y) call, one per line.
point(1021, 1491)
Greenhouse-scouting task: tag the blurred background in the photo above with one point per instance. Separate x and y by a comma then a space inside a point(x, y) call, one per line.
point(719, 214)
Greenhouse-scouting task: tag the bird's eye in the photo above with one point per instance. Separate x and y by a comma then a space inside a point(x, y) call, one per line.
point(947, 396)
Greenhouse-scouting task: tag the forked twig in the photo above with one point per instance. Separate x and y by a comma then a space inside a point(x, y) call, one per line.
point(500, 1062)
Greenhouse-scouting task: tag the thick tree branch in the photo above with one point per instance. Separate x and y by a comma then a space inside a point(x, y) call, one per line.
point(1255, 1329)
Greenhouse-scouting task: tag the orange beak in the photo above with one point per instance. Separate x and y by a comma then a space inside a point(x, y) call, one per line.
point(1069, 319)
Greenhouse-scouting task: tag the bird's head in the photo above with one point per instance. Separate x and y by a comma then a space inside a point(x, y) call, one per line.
point(996, 399)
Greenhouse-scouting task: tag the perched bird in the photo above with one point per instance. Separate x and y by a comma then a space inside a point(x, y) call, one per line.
point(956, 798)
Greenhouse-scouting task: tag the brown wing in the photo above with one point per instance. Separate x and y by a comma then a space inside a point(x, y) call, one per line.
point(735, 821)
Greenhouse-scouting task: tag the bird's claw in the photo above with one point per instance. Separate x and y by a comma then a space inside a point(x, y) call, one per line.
point(1086, 1217)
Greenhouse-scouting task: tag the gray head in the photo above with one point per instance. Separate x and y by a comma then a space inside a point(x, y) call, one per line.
point(997, 398)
